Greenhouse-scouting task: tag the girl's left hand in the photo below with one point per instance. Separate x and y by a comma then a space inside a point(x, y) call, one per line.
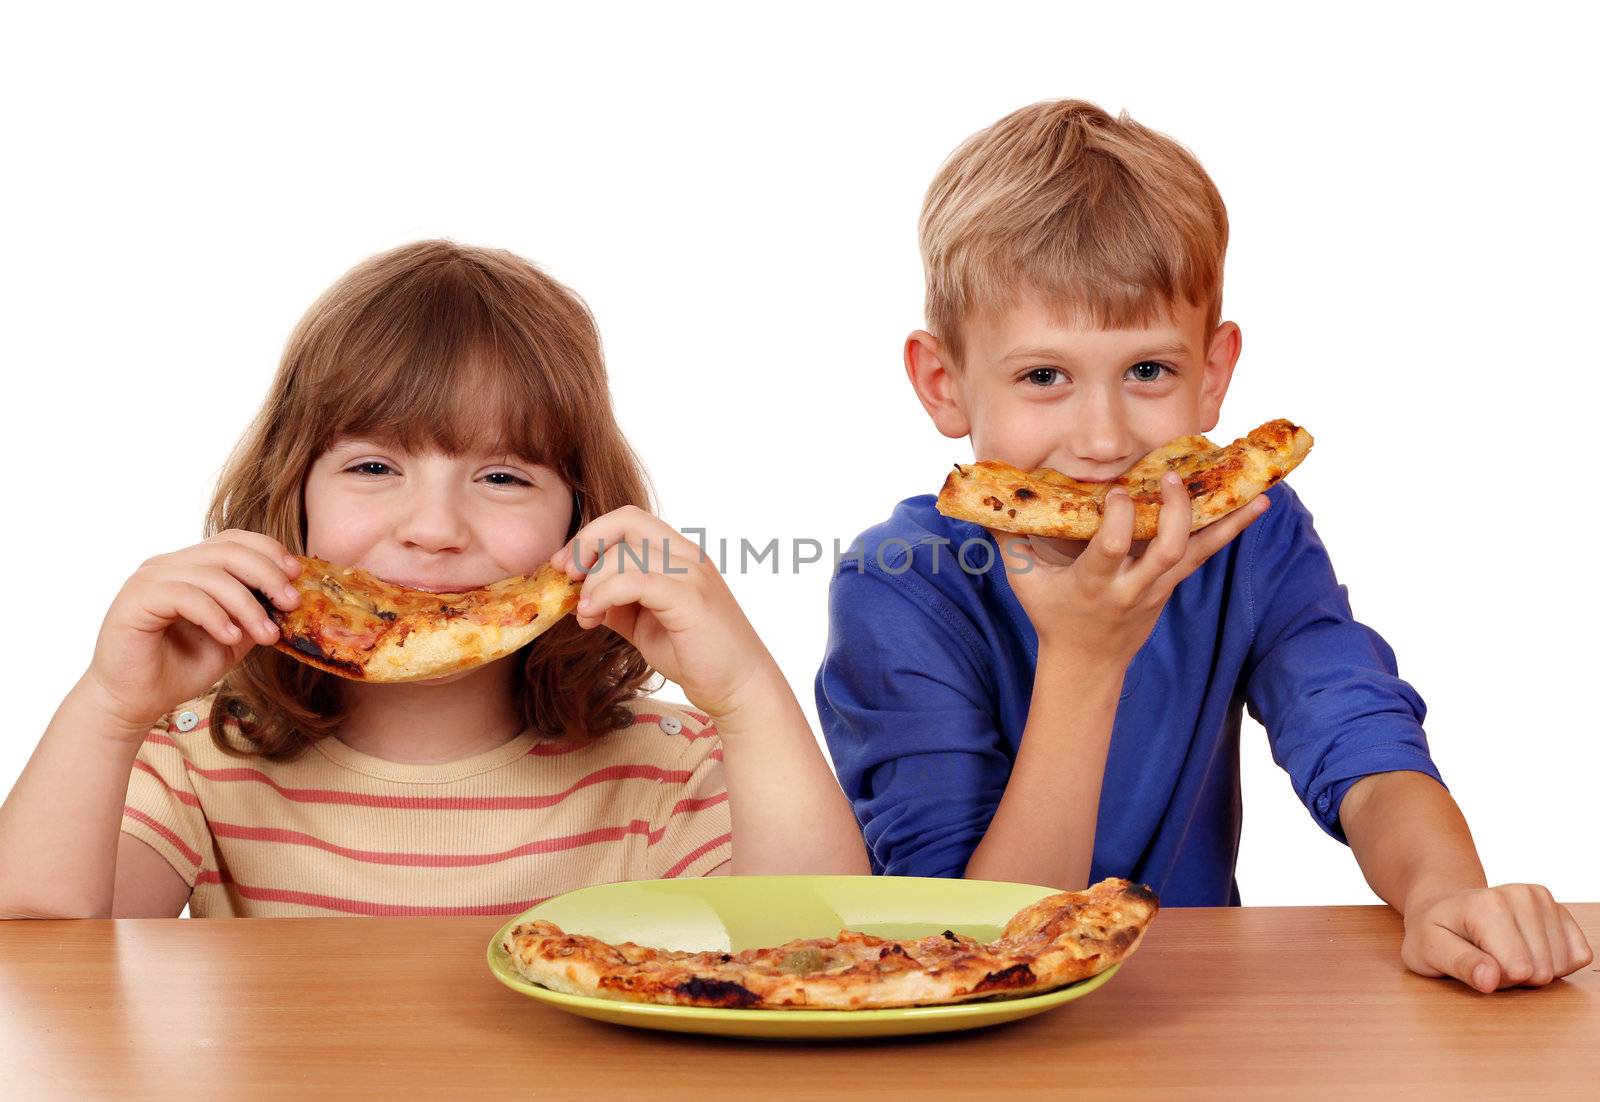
point(651, 585)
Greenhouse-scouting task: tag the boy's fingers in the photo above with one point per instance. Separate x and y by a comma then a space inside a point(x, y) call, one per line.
point(1442, 952)
point(1535, 935)
point(1169, 547)
point(1566, 955)
point(1112, 540)
point(1217, 535)
point(1488, 923)
point(1579, 953)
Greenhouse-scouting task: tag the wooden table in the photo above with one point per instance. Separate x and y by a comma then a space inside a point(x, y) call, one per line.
point(1226, 1002)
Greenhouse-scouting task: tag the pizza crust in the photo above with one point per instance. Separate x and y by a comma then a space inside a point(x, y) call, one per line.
point(1044, 502)
point(1061, 939)
point(354, 624)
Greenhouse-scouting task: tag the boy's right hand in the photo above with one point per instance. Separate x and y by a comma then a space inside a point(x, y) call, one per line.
point(183, 620)
point(1102, 603)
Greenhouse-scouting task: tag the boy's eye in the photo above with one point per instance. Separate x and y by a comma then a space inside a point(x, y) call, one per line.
point(1045, 376)
point(1148, 371)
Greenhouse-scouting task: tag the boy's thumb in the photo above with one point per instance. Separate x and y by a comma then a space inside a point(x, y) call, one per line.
point(1477, 969)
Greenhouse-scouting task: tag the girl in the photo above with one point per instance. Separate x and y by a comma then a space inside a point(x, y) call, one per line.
point(441, 418)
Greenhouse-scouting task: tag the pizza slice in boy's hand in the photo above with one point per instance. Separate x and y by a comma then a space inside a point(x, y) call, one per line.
point(1044, 502)
point(352, 623)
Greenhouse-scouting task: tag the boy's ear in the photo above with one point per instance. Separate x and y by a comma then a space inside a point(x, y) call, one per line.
point(1221, 354)
point(933, 378)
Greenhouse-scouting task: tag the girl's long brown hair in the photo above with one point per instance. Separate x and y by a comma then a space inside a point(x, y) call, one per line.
point(454, 347)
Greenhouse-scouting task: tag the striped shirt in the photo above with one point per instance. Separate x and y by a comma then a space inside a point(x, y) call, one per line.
point(339, 832)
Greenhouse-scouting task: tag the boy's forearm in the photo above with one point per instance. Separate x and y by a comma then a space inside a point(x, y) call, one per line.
point(1409, 838)
point(1043, 831)
point(60, 824)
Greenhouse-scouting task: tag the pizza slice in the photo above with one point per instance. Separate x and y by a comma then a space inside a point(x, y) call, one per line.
point(1044, 502)
point(1061, 939)
point(352, 623)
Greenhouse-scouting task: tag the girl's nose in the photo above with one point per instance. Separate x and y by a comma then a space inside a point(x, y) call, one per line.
point(432, 519)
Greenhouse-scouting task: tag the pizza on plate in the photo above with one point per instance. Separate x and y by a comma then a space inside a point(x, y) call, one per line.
point(352, 623)
point(1044, 502)
point(1060, 939)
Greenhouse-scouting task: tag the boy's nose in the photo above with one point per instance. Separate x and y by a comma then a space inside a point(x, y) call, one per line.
point(1101, 439)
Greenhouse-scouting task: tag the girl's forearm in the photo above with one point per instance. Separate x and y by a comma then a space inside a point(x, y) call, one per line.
point(1043, 830)
point(789, 814)
point(60, 824)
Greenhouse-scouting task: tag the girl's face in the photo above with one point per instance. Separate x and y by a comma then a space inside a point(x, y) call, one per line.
point(430, 521)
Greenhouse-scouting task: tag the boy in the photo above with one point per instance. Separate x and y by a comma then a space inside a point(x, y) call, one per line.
point(982, 691)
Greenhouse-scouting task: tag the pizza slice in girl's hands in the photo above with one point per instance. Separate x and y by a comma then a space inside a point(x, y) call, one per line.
point(352, 623)
point(1060, 939)
point(1044, 502)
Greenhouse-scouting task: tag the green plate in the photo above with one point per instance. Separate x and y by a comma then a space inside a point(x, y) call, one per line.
point(730, 913)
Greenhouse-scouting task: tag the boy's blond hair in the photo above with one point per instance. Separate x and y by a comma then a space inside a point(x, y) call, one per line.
point(1105, 219)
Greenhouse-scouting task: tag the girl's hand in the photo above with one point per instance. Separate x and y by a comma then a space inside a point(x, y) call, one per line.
point(1103, 602)
point(651, 585)
point(185, 619)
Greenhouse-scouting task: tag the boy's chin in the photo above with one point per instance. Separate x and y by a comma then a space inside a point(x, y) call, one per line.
point(1071, 549)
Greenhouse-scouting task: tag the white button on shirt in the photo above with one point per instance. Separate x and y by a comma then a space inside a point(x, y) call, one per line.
point(187, 720)
point(672, 725)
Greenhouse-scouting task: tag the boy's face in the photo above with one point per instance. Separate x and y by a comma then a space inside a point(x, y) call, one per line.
point(1037, 391)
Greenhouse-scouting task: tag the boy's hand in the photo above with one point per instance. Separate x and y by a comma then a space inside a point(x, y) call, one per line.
point(1492, 938)
point(1103, 602)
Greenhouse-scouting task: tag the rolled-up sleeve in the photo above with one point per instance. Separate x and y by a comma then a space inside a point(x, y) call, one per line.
point(908, 716)
point(1324, 685)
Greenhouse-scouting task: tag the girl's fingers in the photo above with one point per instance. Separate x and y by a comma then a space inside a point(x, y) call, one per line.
point(615, 588)
point(173, 601)
point(628, 524)
point(241, 604)
point(245, 564)
point(263, 545)
point(601, 611)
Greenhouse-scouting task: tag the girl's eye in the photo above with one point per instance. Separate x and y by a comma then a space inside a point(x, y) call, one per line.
point(361, 469)
point(1148, 371)
point(507, 474)
point(1045, 376)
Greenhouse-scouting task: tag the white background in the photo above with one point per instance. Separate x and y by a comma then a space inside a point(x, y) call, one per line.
point(735, 194)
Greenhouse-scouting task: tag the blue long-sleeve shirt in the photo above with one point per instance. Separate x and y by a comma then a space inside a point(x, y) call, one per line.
point(924, 691)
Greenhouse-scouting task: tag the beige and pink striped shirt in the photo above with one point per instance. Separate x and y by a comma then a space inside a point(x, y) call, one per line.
point(339, 832)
